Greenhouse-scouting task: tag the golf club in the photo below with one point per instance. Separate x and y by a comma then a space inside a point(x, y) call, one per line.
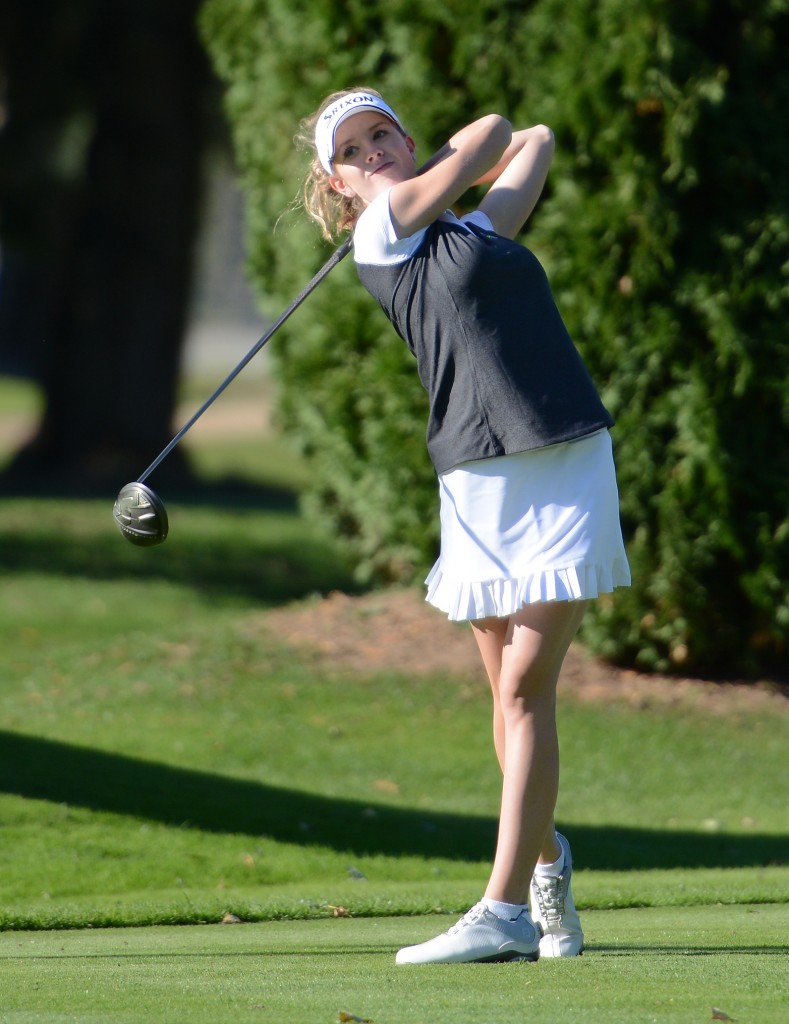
point(138, 510)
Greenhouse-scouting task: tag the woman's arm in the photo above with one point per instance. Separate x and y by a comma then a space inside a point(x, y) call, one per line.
point(441, 181)
point(518, 179)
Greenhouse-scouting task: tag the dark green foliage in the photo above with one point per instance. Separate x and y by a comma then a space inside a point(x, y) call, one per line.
point(669, 241)
point(665, 230)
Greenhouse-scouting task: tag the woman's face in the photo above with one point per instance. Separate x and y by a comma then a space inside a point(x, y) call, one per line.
point(370, 155)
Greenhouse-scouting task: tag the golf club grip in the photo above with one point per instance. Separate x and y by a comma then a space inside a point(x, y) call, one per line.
point(338, 255)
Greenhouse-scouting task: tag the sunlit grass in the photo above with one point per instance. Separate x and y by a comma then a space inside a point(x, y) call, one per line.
point(167, 755)
point(670, 965)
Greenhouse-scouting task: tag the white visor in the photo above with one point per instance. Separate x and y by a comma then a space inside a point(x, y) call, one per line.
point(333, 116)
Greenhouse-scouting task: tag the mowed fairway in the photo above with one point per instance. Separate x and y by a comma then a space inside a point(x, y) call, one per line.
point(173, 754)
point(671, 966)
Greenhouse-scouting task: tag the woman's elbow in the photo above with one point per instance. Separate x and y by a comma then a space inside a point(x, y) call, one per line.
point(543, 136)
point(497, 129)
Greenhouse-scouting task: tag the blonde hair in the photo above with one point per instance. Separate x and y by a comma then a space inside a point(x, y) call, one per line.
point(333, 212)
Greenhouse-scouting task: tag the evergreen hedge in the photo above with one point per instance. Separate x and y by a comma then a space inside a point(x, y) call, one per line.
point(664, 228)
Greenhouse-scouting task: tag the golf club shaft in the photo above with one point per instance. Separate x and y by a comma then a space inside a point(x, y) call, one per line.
point(338, 255)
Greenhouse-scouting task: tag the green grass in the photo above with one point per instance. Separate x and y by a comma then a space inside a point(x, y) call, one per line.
point(250, 452)
point(195, 763)
point(665, 965)
point(166, 757)
point(19, 398)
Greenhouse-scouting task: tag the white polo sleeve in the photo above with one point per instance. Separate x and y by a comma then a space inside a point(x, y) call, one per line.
point(374, 238)
point(479, 220)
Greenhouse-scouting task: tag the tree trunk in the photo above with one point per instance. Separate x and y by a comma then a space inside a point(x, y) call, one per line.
point(118, 283)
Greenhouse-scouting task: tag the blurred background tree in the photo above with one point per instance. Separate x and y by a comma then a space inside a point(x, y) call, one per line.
point(669, 247)
point(665, 229)
point(102, 125)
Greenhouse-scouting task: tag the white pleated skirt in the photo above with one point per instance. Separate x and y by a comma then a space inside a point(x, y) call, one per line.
point(537, 526)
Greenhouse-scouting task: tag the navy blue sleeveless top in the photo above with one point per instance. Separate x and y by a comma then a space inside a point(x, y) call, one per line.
point(492, 351)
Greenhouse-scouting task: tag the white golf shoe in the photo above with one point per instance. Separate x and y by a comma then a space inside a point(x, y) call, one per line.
point(554, 911)
point(478, 937)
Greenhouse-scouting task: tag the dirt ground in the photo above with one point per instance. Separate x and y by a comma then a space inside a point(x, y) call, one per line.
point(397, 630)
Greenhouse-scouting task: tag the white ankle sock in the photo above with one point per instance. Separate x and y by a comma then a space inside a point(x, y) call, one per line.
point(504, 911)
point(551, 870)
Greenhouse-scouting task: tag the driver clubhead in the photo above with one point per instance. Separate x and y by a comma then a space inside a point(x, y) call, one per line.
point(140, 515)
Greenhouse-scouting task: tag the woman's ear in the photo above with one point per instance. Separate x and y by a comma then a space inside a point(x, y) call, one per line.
point(339, 186)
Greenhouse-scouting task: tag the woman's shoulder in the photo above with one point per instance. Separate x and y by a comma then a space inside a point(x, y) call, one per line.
point(478, 219)
point(375, 239)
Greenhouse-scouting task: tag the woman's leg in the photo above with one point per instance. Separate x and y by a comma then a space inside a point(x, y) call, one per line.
point(491, 637)
point(523, 655)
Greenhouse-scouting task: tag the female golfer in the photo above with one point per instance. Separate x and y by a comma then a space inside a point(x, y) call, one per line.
point(519, 439)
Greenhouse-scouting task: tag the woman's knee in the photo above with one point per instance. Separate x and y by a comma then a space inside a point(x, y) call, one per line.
point(529, 694)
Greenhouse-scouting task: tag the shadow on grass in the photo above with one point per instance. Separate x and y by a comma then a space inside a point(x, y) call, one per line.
point(218, 545)
point(242, 567)
point(49, 770)
point(177, 483)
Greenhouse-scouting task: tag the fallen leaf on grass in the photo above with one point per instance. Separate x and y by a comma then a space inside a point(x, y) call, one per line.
point(720, 1014)
point(386, 786)
point(344, 1017)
